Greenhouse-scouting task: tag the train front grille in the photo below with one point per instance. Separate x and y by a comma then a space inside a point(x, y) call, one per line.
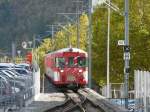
point(70, 78)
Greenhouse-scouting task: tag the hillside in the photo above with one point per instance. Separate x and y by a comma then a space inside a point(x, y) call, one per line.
point(20, 19)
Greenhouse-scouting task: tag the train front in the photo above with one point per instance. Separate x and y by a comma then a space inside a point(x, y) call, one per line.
point(73, 68)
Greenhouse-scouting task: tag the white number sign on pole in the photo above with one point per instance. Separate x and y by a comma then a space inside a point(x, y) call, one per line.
point(121, 42)
point(24, 45)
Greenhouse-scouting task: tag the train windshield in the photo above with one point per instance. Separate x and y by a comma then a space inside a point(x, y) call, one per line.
point(71, 61)
point(82, 61)
point(60, 62)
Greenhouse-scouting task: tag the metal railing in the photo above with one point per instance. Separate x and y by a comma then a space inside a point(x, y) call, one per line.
point(17, 100)
point(121, 102)
point(142, 90)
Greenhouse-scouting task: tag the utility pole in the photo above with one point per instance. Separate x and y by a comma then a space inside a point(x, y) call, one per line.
point(33, 49)
point(53, 36)
point(68, 32)
point(126, 52)
point(90, 43)
point(79, 3)
point(108, 51)
point(34, 42)
point(68, 39)
point(78, 24)
point(13, 52)
point(52, 32)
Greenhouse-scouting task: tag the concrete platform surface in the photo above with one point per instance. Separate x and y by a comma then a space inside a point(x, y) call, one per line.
point(44, 102)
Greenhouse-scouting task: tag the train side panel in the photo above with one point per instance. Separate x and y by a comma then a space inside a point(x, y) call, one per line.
point(50, 70)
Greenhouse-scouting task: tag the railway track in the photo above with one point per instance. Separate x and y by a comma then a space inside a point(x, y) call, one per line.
point(82, 100)
point(75, 102)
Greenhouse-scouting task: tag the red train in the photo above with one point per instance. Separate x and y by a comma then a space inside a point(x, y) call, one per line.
point(67, 66)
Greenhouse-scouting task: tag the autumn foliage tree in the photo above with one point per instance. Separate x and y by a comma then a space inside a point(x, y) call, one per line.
point(139, 33)
point(64, 38)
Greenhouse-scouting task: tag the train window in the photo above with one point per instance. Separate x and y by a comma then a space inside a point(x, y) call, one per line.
point(71, 61)
point(60, 62)
point(82, 61)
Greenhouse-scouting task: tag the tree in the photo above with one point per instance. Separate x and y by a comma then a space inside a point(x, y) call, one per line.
point(61, 40)
point(139, 41)
point(41, 51)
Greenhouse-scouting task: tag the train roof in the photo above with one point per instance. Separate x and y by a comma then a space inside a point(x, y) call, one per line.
point(68, 49)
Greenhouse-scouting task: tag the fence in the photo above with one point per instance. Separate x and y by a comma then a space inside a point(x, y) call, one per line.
point(142, 90)
point(141, 93)
point(17, 100)
point(116, 95)
point(116, 90)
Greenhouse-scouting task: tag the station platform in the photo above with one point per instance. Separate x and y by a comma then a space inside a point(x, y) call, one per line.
point(43, 102)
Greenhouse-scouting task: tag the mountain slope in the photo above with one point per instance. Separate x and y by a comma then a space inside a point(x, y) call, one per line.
point(20, 19)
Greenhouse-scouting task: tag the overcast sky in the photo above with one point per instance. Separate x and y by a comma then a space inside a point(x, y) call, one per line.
point(95, 2)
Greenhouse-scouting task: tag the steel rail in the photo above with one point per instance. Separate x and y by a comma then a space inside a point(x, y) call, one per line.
point(75, 101)
point(86, 101)
point(77, 105)
point(69, 105)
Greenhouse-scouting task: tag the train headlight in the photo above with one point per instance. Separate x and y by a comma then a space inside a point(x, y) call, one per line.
point(80, 70)
point(85, 75)
point(61, 71)
point(56, 76)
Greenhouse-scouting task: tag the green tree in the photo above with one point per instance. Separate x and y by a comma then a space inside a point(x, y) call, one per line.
point(42, 50)
point(61, 40)
point(139, 17)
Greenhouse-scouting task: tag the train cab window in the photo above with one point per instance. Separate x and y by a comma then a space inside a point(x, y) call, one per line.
point(71, 61)
point(82, 61)
point(60, 62)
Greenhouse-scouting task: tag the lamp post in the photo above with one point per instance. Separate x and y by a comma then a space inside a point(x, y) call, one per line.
point(94, 3)
point(90, 45)
point(90, 9)
point(108, 50)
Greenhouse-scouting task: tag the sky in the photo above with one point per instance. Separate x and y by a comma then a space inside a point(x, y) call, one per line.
point(95, 2)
